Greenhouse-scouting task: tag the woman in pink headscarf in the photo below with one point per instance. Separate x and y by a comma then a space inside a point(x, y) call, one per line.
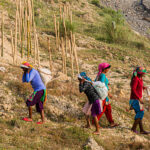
point(101, 76)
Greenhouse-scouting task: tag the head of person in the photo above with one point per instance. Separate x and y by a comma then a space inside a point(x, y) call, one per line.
point(103, 68)
point(25, 66)
point(83, 76)
point(139, 71)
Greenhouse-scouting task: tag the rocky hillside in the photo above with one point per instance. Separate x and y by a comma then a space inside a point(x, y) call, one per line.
point(64, 127)
point(137, 15)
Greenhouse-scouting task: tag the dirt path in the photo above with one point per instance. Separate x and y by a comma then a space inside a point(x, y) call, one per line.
point(137, 16)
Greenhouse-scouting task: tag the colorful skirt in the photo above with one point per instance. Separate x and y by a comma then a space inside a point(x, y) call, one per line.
point(37, 98)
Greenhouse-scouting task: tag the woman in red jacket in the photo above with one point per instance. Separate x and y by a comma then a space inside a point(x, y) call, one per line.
point(136, 101)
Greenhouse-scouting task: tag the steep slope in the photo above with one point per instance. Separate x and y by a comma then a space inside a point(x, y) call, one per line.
point(64, 118)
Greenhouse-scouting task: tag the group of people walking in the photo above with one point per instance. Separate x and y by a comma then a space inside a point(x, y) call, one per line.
point(96, 107)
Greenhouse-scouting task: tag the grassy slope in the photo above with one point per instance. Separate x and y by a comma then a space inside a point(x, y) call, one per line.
point(68, 133)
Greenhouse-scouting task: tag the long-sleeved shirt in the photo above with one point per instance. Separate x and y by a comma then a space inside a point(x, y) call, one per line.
point(104, 79)
point(89, 90)
point(136, 88)
point(34, 77)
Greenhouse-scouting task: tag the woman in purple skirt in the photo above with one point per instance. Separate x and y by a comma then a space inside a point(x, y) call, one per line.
point(86, 86)
point(38, 97)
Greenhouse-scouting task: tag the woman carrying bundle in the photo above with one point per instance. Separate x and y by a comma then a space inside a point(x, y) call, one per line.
point(101, 76)
point(136, 101)
point(38, 97)
point(85, 85)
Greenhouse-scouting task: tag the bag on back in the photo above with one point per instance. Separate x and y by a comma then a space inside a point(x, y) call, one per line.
point(45, 75)
point(101, 89)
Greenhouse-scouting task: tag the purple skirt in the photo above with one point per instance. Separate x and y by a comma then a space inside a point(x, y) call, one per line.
point(37, 101)
point(96, 109)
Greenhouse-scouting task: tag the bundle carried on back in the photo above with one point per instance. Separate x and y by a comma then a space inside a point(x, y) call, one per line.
point(101, 89)
point(99, 86)
point(45, 75)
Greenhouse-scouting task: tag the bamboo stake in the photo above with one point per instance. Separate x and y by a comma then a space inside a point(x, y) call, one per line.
point(28, 38)
point(16, 30)
point(75, 54)
point(64, 24)
point(35, 45)
point(33, 14)
point(38, 56)
point(63, 54)
point(58, 33)
point(12, 46)
point(25, 22)
point(60, 11)
point(55, 23)
point(2, 33)
point(71, 17)
point(50, 54)
point(22, 38)
point(71, 59)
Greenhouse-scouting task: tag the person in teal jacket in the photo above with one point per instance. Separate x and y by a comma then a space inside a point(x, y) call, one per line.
point(103, 69)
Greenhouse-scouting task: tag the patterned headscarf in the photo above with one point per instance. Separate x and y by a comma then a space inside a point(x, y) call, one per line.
point(102, 66)
point(139, 70)
point(83, 75)
point(25, 64)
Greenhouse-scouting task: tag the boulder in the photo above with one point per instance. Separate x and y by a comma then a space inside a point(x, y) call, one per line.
point(92, 145)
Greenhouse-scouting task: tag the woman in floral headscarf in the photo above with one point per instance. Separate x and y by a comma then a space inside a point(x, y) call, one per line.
point(136, 101)
point(101, 76)
point(38, 97)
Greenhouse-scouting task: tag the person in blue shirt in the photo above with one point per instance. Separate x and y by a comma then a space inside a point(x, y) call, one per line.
point(38, 97)
point(103, 69)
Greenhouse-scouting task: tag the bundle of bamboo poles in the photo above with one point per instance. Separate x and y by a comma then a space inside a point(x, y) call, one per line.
point(25, 33)
point(66, 41)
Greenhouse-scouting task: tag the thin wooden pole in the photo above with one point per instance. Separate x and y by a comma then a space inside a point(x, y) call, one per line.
point(16, 30)
point(75, 53)
point(50, 54)
point(12, 45)
point(55, 23)
point(38, 55)
point(63, 54)
point(71, 59)
point(58, 33)
point(28, 38)
point(2, 33)
point(60, 11)
point(22, 37)
point(35, 44)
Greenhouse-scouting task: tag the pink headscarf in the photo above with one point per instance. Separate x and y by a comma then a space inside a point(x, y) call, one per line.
point(101, 67)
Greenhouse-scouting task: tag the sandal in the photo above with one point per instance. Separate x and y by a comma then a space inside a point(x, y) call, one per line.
point(39, 122)
point(27, 119)
point(114, 125)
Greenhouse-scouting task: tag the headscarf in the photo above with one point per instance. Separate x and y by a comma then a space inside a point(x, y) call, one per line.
point(25, 64)
point(83, 75)
point(102, 66)
point(138, 70)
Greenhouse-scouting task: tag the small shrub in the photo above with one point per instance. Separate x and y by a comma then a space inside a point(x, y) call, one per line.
point(139, 45)
point(114, 30)
point(95, 2)
point(69, 28)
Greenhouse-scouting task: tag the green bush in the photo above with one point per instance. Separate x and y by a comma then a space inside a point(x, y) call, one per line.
point(114, 30)
point(95, 2)
point(69, 28)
